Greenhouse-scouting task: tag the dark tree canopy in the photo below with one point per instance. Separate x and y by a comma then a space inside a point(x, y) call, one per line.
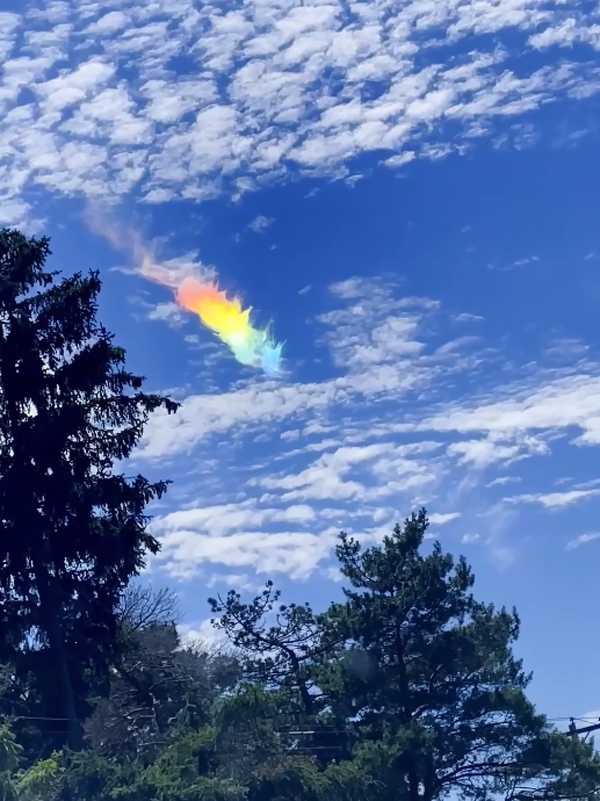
point(418, 674)
point(415, 695)
point(73, 530)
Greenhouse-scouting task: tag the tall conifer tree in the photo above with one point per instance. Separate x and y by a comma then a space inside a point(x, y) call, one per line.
point(72, 528)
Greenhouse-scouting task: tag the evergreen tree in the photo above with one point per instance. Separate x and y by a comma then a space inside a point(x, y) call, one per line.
point(72, 528)
point(418, 675)
point(415, 678)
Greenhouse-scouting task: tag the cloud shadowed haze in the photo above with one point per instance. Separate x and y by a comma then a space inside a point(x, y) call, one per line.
point(407, 189)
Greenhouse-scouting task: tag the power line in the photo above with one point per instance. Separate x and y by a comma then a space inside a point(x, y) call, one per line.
point(328, 728)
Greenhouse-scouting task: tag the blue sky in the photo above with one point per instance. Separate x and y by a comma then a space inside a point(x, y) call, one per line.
point(409, 191)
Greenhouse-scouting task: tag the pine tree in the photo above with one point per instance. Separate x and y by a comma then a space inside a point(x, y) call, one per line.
point(72, 528)
point(417, 676)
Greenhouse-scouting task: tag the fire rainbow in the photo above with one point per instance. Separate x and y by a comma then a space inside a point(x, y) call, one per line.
point(231, 323)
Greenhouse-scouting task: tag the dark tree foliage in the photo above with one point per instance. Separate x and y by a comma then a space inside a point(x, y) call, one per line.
point(72, 529)
point(141, 606)
point(158, 687)
point(416, 675)
point(416, 697)
point(275, 653)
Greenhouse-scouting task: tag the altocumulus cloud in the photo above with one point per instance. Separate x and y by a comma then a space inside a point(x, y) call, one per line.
point(172, 100)
point(167, 100)
point(384, 435)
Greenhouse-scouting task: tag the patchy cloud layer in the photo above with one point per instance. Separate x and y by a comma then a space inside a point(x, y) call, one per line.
point(173, 100)
point(391, 431)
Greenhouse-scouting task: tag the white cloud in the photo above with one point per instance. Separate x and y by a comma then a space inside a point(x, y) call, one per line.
point(372, 338)
point(295, 553)
point(201, 416)
point(572, 401)
point(237, 581)
point(566, 34)
point(438, 519)
point(582, 485)
point(567, 348)
point(169, 100)
point(207, 97)
point(243, 535)
point(328, 477)
point(361, 450)
point(466, 317)
point(201, 634)
point(524, 261)
point(109, 23)
point(555, 500)
point(220, 520)
point(520, 421)
point(582, 539)
point(71, 87)
point(501, 480)
point(482, 453)
point(169, 313)
point(261, 223)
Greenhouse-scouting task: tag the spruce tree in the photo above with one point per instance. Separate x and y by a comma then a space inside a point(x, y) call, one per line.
point(72, 527)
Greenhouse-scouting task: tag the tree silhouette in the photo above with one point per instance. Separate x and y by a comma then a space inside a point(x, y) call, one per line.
point(72, 529)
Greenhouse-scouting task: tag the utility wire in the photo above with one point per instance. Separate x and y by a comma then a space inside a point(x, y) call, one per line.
point(591, 720)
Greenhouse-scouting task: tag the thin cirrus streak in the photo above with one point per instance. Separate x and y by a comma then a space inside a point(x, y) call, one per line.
point(231, 323)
